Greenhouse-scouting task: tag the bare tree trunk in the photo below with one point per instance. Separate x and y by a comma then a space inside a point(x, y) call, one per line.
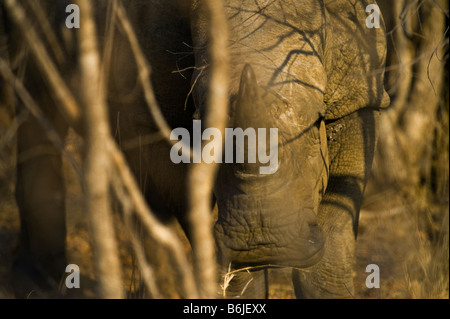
point(97, 162)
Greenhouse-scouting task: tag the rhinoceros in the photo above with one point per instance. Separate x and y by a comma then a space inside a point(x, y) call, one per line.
point(312, 70)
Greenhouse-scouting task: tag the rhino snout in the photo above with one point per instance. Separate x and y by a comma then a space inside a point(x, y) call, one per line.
point(263, 233)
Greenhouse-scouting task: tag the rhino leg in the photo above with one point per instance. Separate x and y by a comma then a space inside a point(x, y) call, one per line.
point(351, 146)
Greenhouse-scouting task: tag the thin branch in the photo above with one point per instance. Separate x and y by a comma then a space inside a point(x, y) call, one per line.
point(70, 112)
point(34, 109)
point(47, 30)
point(144, 73)
point(161, 233)
point(144, 267)
point(109, 42)
point(97, 161)
point(201, 176)
point(192, 89)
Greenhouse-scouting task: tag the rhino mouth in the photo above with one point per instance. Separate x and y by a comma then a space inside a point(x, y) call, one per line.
point(254, 231)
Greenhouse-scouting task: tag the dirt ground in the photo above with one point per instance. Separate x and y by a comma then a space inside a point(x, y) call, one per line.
point(413, 259)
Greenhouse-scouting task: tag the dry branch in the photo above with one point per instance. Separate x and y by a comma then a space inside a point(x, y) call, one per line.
point(101, 143)
point(144, 267)
point(31, 105)
point(144, 73)
point(109, 42)
point(48, 33)
point(134, 197)
point(161, 233)
point(62, 94)
point(202, 176)
point(97, 161)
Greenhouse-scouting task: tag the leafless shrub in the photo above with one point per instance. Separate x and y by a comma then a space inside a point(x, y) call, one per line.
point(103, 158)
point(411, 129)
point(410, 170)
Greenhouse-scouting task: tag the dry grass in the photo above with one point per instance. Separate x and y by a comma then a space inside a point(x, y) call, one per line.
point(412, 263)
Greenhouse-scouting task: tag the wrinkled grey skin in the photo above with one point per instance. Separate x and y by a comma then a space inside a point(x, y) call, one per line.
point(309, 68)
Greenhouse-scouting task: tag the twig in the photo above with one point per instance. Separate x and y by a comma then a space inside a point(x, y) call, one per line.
point(161, 233)
point(48, 30)
point(192, 88)
point(34, 109)
point(144, 267)
point(144, 72)
point(109, 42)
point(70, 111)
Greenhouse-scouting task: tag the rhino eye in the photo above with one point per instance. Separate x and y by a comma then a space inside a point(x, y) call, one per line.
point(319, 121)
point(322, 130)
point(319, 125)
